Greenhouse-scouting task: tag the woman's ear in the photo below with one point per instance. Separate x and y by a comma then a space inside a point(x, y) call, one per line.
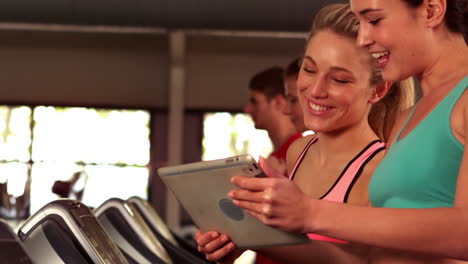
point(379, 92)
point(435, 12)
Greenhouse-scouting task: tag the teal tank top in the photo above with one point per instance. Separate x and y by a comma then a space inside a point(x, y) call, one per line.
point(421, 169)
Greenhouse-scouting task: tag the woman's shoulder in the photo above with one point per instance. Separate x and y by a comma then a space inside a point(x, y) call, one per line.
point(296, 148)
point(299, 144)
point(399, 123)
point(459, 118)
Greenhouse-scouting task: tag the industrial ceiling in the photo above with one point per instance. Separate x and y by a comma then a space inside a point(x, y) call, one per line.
point(251, 15)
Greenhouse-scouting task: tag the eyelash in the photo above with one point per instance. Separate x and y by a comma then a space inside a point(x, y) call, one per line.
point(375, 21)
point(336, 80)
point(341, 81)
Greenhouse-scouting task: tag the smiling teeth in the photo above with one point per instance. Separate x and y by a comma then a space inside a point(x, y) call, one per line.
point(379, 54)
point(318, 107)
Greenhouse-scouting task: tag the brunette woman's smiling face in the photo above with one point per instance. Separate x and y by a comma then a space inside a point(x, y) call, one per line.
point(395, 34)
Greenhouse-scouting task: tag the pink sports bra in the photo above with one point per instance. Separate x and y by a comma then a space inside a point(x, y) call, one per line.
point(340, 190)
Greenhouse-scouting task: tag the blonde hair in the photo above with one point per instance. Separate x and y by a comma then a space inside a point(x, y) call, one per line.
point(401, 95)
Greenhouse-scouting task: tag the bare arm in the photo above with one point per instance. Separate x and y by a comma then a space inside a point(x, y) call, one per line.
point(439, 231)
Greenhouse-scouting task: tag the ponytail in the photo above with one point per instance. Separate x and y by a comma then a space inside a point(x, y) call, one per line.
point(384, 113)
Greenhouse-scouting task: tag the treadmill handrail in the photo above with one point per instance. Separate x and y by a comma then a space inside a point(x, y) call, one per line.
point(128, 247)
point(57, 208)
point(133, 218)
point(150, 213)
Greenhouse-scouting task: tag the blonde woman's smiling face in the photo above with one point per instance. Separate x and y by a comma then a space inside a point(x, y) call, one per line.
point(334, 83)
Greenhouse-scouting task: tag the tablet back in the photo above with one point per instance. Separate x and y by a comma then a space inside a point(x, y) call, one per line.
point(202, 188)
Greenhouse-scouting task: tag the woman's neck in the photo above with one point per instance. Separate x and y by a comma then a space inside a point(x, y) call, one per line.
point(449, 64)
point(346, 142)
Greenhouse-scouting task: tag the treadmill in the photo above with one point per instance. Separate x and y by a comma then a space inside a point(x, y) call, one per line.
point(129, 231)
point(179, 252)
point(66, 231)
point(11, 249)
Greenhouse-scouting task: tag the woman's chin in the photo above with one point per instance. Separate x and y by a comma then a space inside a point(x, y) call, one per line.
point(392, 76)
point(318, 129)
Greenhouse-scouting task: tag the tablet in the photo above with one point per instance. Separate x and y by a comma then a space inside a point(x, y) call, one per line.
point(202, 189)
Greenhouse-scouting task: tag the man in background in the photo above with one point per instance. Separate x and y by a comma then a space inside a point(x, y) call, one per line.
point(293, 107)
point(265, 106)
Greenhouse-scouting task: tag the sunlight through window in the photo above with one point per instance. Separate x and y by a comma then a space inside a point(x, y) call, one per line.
point(227, 134)
point(45, 144)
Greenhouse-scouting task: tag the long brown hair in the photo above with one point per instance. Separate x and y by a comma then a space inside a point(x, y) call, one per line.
point(401, 95)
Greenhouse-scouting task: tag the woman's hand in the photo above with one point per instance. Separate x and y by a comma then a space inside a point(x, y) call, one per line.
point(274, 165)
point(216, 247)
point(275, 200)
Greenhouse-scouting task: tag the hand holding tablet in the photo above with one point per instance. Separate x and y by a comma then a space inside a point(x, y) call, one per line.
point(202, 189)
